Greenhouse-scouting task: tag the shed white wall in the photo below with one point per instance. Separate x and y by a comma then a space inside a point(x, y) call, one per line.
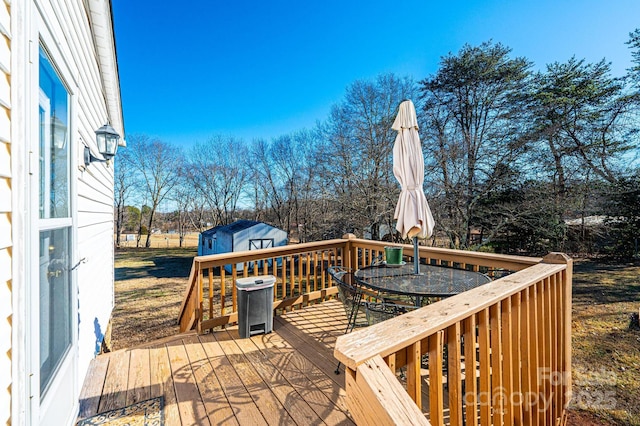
point(6, 243)
point(259, 231)
point(240, 240)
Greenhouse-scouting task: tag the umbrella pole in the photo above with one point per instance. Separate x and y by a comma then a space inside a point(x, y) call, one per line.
point(416, 257)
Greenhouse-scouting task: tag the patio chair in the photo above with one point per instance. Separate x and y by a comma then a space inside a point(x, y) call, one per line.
point(378, 312)
point(350, 293)
point(362, 306)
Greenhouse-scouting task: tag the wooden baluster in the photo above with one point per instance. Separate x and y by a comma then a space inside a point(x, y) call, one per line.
point(470, 394)
point(323, 276)
point(497, 391)
point(210, 292)
point(535, 350)
point(542, 351)
point(516, 357)
point(548, 342)
point(223, 290)
point(454, 374)
point(315, 273)
point(283, 271)
point(561, 343)
point(414, 383)
point(307, 275)
point(555, 344)
point(485, 367)
point(567, 278)
point(436, 399)
point(234, 299)
point(300, 273)
point(507, 359)
point(199, 310)
point(391, 362)
point(525, 351)
point(292, 278)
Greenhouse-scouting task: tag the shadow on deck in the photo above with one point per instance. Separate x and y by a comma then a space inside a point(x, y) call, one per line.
point(285, 377)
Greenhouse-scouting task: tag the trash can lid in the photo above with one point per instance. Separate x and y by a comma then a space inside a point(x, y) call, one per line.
point(255, 283)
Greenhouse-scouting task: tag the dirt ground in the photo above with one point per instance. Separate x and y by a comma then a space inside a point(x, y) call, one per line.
point(606, 354)
point(149, 286)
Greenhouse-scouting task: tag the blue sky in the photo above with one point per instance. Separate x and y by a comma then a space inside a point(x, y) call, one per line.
point(192, 69)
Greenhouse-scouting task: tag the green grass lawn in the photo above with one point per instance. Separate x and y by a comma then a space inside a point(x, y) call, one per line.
point(149, 286)
point(606, 353)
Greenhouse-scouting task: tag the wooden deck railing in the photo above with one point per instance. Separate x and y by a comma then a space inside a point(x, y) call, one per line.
point(210, 299)
point(499, 354)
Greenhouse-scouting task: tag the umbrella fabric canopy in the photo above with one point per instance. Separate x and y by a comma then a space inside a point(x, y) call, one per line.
point(412, 213)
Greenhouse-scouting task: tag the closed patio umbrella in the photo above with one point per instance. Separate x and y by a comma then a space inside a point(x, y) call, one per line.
point(414, 218)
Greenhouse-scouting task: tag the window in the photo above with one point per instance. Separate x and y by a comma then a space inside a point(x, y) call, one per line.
point(54, 150)
point(55, 281)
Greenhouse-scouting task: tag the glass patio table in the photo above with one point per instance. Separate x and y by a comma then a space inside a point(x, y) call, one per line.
point(432, 281)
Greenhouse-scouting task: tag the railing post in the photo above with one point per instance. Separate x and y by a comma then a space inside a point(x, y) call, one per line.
point(348, 258)
point(199, 303)
point(567, 283)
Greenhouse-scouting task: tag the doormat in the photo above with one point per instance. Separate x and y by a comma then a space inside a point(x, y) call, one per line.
point(143, 413)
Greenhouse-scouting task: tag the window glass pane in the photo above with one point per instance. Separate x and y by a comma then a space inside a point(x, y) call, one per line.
point(55, 301)
point(54, 149)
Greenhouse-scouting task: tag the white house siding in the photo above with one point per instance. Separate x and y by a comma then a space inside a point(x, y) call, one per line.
point(5, 214)
point(70, 25)
point(95, 183)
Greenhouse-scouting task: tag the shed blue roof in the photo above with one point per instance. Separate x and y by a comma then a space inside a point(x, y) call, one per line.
point(234, 227)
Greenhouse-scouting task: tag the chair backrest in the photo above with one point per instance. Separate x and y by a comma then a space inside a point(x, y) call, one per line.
point(350, 294)
point(378, 312)
point(362, 312)
point(349, 291)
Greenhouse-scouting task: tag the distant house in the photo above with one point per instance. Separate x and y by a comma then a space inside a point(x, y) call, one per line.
point(240, 236)
point(58, 85)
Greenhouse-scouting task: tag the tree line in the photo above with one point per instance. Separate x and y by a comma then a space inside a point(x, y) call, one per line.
point(510, 155)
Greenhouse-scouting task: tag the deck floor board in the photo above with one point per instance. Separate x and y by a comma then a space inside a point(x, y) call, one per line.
point(285, 377)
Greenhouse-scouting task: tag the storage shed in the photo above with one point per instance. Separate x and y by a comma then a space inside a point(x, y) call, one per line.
point(240, 236)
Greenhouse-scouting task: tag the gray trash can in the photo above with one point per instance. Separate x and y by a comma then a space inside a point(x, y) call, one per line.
point(255, 305)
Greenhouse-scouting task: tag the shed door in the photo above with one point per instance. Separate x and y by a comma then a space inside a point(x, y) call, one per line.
point(257, 244)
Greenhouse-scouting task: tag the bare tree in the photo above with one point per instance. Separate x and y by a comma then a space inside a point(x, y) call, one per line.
point(124, 183)
point(357, 154)
point(218, 169)
point(283, 175)
point(158, 164)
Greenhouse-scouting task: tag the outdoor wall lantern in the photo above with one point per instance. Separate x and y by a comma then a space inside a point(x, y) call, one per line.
point(107, 140)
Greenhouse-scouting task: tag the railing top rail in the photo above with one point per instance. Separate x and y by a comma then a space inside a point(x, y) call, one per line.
point(213, 260)
point(397, 333)
point(209, 261)
point(452, 253)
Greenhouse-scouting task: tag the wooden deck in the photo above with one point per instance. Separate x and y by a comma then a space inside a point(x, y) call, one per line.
point(285, 377)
